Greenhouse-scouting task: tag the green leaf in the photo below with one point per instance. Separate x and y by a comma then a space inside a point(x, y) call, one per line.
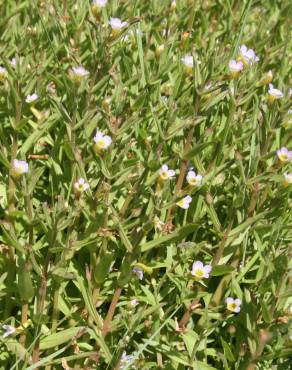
point(64, 336)
point(221, 270)
point(227, 351)
point(197, 149)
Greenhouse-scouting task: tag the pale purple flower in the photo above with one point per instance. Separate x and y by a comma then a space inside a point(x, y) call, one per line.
point(19, 168)
point(8, 330)
point(125, 360)
point(233, 305)
point(200, 271)
point(134, 303)
point(287, 179)
point(275, 93)
point(194, 179)
point(31, 98)
point(79, 72)
point(102, 142)
point(80, 186)
point(184, 202)
point(284, 155)
point(138, 272)
point(13, 62)
point(188, 61)
point(117, 24)
point(165, 173)
point(235, 67)
point(248, 55)
point(99, 3)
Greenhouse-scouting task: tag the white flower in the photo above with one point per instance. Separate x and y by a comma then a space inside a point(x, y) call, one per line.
point(284, 155)
point(78, 74)
point(134, 303)
point(165, 173)
point(248, 56)
point(8, 330)
point(188, 62)
point(80, 186)
point(200, 271)
point(193, 179)
point(117, 25)
point(287, 179)
point(13, 62)
point(138, 272)
point(99, 3)
point(3, 73)
point(102, 142)
point(233, 305)
point(125, 360)
point(158, 224)
point(31, 98)
point(184, 202)
point(19, 168)
point(235, 67)
point(274, 93)
point(173, 6)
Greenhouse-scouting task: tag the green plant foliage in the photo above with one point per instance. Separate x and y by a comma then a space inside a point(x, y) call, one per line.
point(145, 184)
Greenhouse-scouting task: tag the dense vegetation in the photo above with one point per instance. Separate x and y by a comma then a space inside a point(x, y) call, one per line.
point(145, 184)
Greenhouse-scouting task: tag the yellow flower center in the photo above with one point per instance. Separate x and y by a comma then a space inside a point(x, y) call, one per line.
point(283, 157)
point(232, 306)
point(164, 175)
point(193, 181)
point(199, 273)
point(101, 144)
point(181, 203)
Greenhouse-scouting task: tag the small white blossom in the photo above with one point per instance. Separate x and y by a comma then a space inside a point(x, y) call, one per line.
point(200, 271)
point(184, 202)
point(78, 74)
point(194, 179)
point(274, 93)
point(134, 302)
point(102, 142)
point(233, 305)
point(173, 6)
point(235, 67)
point(188, 62)
point(138, 272)
point(13, 62)
point(99, 3)
point(8, 330)
point(19, 168)
point(117, 25)
point(80, 186)
point(284, 155)
point(125, 360)
point(287, 179)
point(158, 224)
point(31, 98)
point(165, 173)
point(248, 56)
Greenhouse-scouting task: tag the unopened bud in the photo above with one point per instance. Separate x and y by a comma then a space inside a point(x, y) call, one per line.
point(173, 6)
point(159, 50)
